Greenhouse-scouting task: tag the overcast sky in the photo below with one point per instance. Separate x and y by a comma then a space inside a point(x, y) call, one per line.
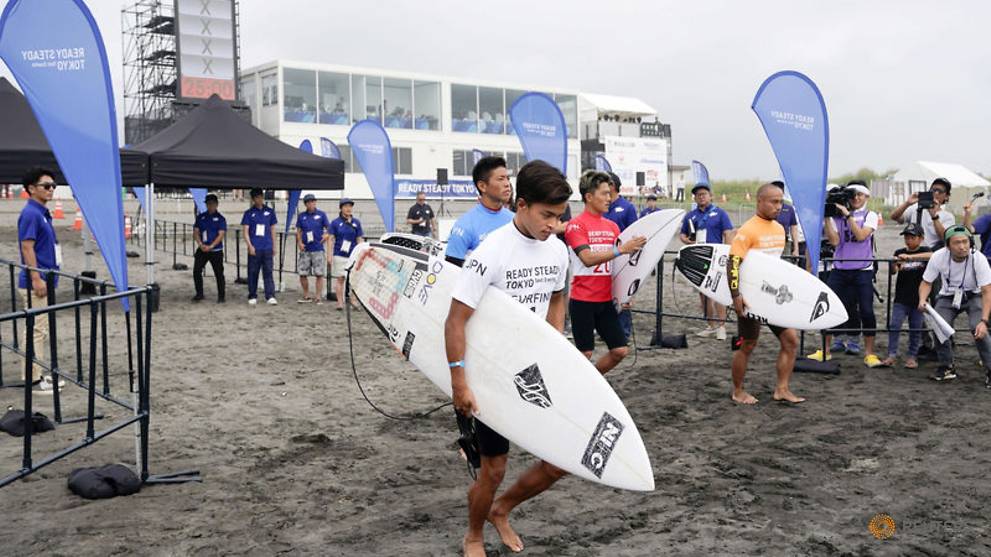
point(903, 80)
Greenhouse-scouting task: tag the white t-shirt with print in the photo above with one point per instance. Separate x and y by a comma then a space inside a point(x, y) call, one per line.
point(969, 275)
point(527, 269)
point(931, 237)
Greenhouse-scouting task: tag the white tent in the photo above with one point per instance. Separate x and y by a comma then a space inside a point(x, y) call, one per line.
point(918, 175)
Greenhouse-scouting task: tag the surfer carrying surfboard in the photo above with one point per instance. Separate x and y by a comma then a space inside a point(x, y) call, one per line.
point(525, 260)
point(762, 233)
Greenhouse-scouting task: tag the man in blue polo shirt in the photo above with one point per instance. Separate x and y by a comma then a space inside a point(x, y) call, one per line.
point(208, 234)
point(345, 233)
point(651, 206)
point(39, 249)
point(788, 219)
point(312, 231)
point(258, 225)
point(708, 224)
point(494, 190)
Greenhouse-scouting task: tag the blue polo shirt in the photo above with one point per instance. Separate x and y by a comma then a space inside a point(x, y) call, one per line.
point(713, 220)
point(622, 212)
point(344, 231)
point(312, 226)
point(982, 227)
point(647, 210)
point(258, 222)
point(787, 218)
point(35, 223)
point(210, 227)
point(472, 228)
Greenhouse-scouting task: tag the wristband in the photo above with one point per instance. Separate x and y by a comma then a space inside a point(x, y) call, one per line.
point(459, 363)
point(936, 217)
point(616, 252)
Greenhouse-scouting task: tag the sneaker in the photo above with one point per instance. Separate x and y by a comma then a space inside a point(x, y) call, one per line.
point(853, 348)
point(838, 345)
point(44, 387)
point(252, 301)
point(721, 333)
point(304, 300)
point(198, 298)
point(817, 356)
point(872, 361)
point(944, 373)
point(987, 379)
point(221, 300)
point(273, 302)
point(706, 332)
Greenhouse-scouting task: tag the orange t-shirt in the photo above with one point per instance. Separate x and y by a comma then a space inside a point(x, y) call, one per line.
point(757, 233)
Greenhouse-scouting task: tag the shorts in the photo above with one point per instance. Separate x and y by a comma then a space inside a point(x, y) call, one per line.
point(312, 264)
point(339, 267)
point(490, 443)
point(749, 329)
point(587, 318)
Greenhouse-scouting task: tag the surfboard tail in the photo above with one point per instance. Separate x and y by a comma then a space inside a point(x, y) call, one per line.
point(694, 262)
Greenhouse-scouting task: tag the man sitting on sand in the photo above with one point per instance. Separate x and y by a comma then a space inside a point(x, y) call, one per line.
point(763, 233)
point(517, 248)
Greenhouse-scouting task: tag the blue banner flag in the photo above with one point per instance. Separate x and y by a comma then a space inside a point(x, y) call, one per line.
point(476, 156)
point(293, 203)
point(539, 124)
point(55, 52)
point(701, 173)
point(371, 147)
point(602, 163)
point(199, 199)
point(791, 109)
point(329, 149)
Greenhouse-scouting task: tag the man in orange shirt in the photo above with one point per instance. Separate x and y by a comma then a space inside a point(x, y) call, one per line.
point(763, 233)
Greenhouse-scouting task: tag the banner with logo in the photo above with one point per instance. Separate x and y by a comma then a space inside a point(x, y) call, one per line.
point(629, 155)
point(540, 126)
point(454, 189)
point(55, 52)
point(329, 149)
point(602, 163)
point(793, 114)
point(199, 199)
point(372, 149)
point(700, 173)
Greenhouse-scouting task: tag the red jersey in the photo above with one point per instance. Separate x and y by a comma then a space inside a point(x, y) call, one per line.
point(597, 233)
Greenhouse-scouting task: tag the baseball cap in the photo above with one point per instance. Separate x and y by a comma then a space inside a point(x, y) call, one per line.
point(256, 192)
point(701, 186)
point(651, 196)
point(345, 201)
point(309, 197)
point(912, 229)
point(211, 197)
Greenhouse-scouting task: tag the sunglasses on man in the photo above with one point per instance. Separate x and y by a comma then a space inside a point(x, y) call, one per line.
point(46, 185)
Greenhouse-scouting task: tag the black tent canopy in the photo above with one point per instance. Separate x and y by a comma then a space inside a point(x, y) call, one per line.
point(23, 143)
point(213, 147)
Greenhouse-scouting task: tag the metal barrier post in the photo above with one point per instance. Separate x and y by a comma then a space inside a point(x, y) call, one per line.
point(28, 391)
point(79, 331)
point(94, 310)
point(103, 340)
point(53, 348)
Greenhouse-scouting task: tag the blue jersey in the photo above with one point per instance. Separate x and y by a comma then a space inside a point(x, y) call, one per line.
point(714, 221)
point(982, 227)
point(346, 234)
point(35, 223)
point(312, 227)
point(472, 228)
point(259, 223)
point(647, 210)
point(209, 227)
point(787, 218)
point(622, 212)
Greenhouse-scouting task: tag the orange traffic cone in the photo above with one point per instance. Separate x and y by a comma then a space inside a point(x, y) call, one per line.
point(59, 213)
point(24, 193)
point(77, 224)
point(127, 227)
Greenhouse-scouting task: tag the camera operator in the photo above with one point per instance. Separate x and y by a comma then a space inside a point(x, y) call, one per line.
point(852, 277)
point(929, 213)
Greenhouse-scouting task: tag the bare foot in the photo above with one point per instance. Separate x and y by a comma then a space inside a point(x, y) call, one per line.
point(889, 361)
point(910, 363)
point(743, 397)
point(509, 536)
point(473, 547)
point(787, 396)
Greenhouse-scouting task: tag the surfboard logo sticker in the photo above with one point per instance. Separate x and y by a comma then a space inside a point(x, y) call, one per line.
point(633, 288)
point(436, 267)
point(821, 307)
point(408, 344)
point(414, 279)
point(781, 294)
point(602, 443)
point(530, 384)
point(635, 258)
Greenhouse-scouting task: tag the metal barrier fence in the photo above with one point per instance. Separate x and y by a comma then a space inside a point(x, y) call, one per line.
point(92, 369)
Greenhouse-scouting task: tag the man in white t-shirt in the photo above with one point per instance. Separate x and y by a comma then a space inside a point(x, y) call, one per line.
point(526, 247)
point(935, 220)
point(966, 287)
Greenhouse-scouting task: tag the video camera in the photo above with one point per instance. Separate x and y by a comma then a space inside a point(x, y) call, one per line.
point(838, 196)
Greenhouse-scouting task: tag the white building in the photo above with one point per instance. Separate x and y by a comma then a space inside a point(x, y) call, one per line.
point(435, 122)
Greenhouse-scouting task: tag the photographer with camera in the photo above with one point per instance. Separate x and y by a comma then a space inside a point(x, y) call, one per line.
point(850, 229)
point(926, 209)
point(708, 224)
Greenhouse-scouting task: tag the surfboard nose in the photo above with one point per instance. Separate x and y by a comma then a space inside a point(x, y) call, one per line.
point(637, 474)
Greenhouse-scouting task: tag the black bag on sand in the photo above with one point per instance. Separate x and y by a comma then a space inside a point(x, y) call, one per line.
point(104, 482)
point(13, 423)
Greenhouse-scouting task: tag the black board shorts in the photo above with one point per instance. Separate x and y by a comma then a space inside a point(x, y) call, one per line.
point(490, 443)
point(749, 329)
point(587, 318)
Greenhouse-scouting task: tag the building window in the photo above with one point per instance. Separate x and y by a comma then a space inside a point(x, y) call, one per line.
point(402, 158)
point(569, 107)
point(491, 111)
point(511, 96)
point(464, 161)
point(299, 103)
point(270, 90)
point(366, 94)
point(397, 103)
point(426, 102)
point(514, 161)
point(335, 98)
point(249, 94)
point(464, 108)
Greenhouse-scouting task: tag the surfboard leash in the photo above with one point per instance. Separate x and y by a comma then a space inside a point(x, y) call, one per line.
point(354, 368)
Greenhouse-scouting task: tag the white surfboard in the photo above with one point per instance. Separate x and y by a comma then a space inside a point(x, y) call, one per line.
point(775, 291)
point(532, 386)
point(629, 271)
point(414, 241)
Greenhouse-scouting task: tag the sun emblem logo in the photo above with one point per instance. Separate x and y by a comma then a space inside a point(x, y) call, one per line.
point(882, 526)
